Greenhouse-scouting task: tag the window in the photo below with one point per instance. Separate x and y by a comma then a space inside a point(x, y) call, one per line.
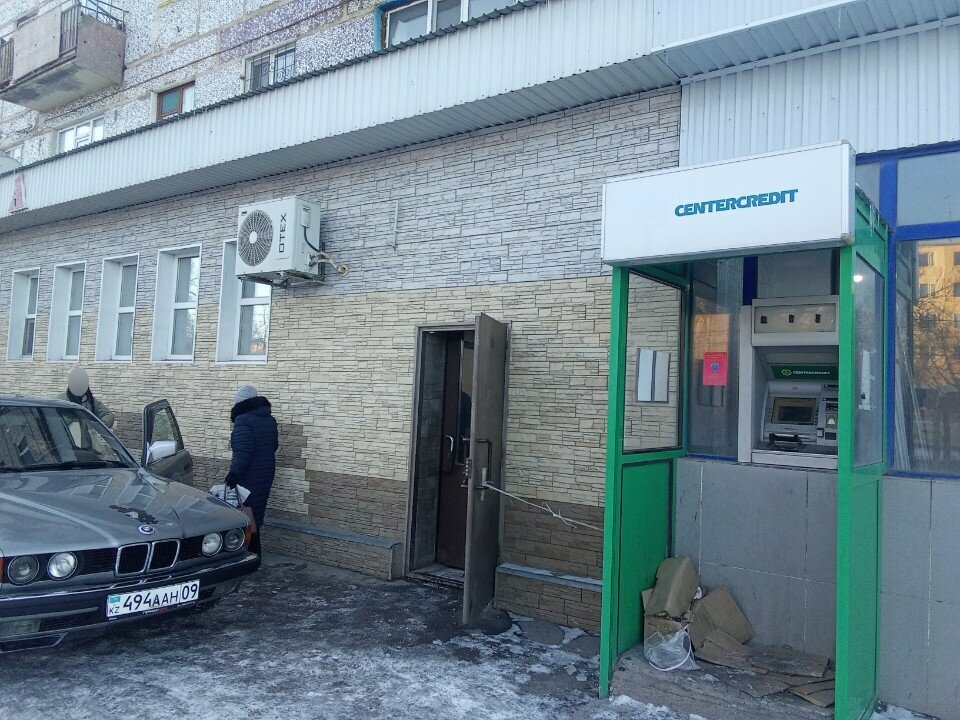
point(176, 302)
point(927, 188)
point(927, 350)
point(118, 299)
point(956, 289)
point(244, 326)
point(422, 17)
point(271, 67)
point(925, 290)
point(23, 314)
point(14, 153)
point(66, 312)
point(925, 259)
point(78, 136)
point(175, 101)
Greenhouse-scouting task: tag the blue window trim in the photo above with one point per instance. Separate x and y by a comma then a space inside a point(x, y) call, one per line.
point(379, 16)
point(887, 205)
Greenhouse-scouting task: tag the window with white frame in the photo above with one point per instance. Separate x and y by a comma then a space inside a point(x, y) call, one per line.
point(80, 135)
point(14, 153)
point(23, 314)
point(271, 67)
point(176, 303)
point(415, 19)
point(118, 299)
point(66, 312)
point(244, 326)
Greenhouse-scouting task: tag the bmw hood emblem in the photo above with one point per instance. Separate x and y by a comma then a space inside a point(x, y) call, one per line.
point(146, 529)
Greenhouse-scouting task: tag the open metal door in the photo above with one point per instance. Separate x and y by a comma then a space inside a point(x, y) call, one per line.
point(484, 466)
point(861, 464)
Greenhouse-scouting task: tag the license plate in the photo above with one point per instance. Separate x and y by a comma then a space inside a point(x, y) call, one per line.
point(144, 601)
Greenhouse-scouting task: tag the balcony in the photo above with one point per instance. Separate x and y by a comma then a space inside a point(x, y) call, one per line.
point(62, 55)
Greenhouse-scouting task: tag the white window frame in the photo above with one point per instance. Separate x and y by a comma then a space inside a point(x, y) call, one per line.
point(164, 303)
point(431, 16)
point(231, 300)
point(108, 316)
point(61, 312)
point(14, 152)
point(19, 305)
point(68, 128)
point(272, 53)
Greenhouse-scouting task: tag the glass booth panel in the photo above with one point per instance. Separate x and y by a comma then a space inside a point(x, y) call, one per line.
point(868, 369)
point(926, 428)
point(653, 365)
point(717, 294)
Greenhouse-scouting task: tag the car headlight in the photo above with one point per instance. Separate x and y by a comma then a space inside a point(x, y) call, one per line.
point(233, 539)
point(62, 565)
point(23, 569)
point(212, 542)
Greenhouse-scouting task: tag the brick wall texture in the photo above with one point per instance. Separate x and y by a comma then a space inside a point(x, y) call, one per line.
point(505, 222)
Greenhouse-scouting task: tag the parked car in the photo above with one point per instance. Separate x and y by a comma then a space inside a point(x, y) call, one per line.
point(90, 539)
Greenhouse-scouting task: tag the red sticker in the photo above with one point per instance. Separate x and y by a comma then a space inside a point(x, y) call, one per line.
point(715, 368)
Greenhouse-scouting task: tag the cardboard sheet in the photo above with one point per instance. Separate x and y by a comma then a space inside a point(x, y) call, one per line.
point(753, 684)
point(789, 661)
point(719, 611)
point(721, 649)
point(820, 694)
point(677, 582)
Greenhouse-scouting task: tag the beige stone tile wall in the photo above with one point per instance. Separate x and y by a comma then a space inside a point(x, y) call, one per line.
point(340, 374)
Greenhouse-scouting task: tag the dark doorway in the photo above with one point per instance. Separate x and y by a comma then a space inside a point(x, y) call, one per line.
point(455, 450)
point(454, 521)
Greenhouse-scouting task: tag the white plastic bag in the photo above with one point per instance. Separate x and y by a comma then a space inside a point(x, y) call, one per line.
point(670, 652)
point(234, 498)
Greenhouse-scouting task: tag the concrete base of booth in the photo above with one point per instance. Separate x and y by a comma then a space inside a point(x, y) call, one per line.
point(769, 534)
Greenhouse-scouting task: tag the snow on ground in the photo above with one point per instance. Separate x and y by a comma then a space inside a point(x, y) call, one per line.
point(304, 641)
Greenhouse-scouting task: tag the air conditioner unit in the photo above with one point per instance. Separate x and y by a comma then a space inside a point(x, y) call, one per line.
point(275, 240)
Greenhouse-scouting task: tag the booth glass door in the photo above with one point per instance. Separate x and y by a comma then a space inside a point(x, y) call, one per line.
point(644, 439)
point(861, 465)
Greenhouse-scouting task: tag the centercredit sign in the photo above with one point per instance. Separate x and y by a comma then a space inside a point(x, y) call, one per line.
point(736, 203)
point(802, 198)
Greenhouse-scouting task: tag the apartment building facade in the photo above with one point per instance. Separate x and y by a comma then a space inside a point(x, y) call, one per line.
point(453, 153)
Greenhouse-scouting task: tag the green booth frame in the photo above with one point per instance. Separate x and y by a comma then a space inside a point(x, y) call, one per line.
point(638, 506)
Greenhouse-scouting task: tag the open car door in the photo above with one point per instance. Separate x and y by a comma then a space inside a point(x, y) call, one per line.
point(163, 452)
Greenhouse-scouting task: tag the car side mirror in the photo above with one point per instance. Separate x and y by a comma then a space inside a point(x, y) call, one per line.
point(160, 450)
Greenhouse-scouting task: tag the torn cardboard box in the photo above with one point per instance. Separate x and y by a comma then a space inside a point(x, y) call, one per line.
point(721, 649)
point(677, 582)
point(663, 625)
point(719, 611)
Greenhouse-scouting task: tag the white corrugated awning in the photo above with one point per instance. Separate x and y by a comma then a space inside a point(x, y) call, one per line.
point(549, 56)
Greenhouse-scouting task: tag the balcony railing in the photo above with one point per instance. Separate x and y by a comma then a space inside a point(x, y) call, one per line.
point(70, 20)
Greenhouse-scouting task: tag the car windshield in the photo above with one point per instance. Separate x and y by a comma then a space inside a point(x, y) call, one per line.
point(55, 438)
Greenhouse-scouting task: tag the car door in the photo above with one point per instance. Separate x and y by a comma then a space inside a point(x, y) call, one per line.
point(163, 452)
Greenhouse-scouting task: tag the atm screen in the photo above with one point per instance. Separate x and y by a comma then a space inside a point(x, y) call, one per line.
point(794, 411)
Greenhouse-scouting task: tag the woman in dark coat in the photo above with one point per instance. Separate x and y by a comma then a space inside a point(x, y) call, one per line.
point(254, 442)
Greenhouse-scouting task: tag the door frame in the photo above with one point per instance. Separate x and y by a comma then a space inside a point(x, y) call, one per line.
point(419, 332)
point(622, 626)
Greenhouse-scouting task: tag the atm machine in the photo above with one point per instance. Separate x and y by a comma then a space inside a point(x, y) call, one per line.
point(789, 356)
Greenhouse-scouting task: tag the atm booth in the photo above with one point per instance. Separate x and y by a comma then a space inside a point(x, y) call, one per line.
point(746, 405)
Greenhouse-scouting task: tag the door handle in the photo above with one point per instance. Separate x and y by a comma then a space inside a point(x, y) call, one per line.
point(452, 443)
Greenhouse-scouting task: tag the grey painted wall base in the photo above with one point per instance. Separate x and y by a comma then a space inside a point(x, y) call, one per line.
point(769, 535)
point(920, 595)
